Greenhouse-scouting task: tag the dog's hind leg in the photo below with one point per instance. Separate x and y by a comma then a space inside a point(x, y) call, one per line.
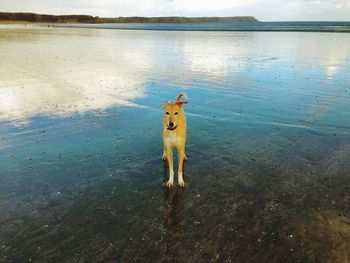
point(169, 153)
point(165, 171)
point(164, 154)
point(181, 159)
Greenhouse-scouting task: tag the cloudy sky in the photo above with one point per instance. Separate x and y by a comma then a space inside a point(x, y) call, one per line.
point(264, 10)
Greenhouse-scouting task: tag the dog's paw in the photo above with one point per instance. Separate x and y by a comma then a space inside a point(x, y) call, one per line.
point(170, 184)
point(164, 157)
point(181, 183)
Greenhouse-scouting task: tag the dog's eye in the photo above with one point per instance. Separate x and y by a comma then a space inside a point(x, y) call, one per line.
point(167, 113)
point(175, 113)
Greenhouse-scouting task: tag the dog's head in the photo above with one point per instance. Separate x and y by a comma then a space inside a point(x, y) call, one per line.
point(173, 113)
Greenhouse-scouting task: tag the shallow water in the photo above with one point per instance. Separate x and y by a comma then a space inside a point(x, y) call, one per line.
point(80, 145)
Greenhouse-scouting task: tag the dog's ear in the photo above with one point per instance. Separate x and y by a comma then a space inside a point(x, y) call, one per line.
point(166, 103)
point(178, 100)
point(180, 103)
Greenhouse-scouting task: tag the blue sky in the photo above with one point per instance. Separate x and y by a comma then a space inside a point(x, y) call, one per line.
point(264, 10)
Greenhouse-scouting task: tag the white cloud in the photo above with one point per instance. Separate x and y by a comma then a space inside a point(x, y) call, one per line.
point(208, 6)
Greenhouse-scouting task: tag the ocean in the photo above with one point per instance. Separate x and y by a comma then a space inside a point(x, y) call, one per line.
point(252, 26)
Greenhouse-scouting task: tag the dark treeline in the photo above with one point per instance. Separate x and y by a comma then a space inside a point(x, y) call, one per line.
point(39, 18)
point(178, 19)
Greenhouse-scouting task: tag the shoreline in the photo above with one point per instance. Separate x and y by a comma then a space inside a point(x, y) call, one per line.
point(15, 22)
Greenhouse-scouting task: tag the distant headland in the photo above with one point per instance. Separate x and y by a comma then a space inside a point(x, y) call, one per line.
point(43, 18)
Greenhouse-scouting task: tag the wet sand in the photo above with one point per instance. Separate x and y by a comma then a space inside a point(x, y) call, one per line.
point(80, 146)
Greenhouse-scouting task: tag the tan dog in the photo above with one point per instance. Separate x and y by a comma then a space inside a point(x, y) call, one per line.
point(174, 135)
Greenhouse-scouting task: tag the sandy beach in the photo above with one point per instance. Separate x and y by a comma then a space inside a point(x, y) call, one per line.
point(80, 146)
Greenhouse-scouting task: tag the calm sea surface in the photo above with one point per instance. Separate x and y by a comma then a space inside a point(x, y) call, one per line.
point(268, 170)
point(251, 26)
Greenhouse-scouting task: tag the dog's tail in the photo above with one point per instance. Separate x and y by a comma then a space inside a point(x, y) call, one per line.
point(178, 99)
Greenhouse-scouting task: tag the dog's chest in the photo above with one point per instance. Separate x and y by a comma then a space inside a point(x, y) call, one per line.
point(172, 139)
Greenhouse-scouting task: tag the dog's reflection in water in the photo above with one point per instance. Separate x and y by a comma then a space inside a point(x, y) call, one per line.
point(174, 224)
point(174, 220)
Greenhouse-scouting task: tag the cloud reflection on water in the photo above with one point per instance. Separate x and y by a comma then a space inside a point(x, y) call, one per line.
point(67, 73)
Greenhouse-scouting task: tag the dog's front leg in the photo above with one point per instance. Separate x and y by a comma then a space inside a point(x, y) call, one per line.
point(181, 158)
point(169, 153)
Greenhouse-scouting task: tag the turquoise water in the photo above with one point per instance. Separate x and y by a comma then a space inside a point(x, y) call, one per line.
point(251, 26)
point(80, 146)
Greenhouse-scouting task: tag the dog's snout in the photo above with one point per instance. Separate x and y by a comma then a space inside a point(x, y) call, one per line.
point(171, 124)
